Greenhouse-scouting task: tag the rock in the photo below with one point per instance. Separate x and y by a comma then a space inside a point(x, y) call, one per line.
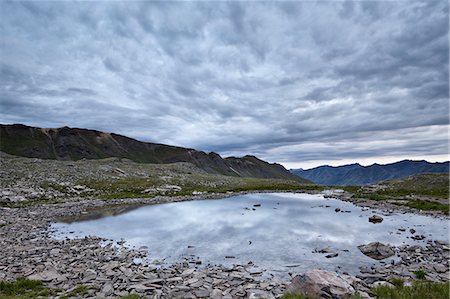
point(418, 237)
point(376, 219)
point(257, 205)
point(216, 294)
point(412, 231)
point(440, 268)
point(323, 250)
point(382, 284)
point(321, 284)
point(337, 210)
point(89, 275)
point(107, 289)
point(376, 250)
point(202, 293)
point(331, 255)
point(49, 275)
point(255, 294)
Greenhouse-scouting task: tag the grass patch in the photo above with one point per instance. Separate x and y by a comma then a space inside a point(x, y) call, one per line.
point(398, 282)
point(24, 288)
point(133, 187)
point(418, 290)
point(420, 273)
point(132, 296)
point(428, 206)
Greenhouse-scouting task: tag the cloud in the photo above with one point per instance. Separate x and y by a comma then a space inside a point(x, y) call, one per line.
point(290, 82)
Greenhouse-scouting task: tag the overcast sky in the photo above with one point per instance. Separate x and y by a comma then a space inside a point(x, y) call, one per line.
point(299, 83)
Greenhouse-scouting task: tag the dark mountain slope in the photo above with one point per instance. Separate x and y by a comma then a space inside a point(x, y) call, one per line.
point(75, 144)
point(356, 174)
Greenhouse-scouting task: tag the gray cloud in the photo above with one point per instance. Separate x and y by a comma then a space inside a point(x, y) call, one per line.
point(288, 81)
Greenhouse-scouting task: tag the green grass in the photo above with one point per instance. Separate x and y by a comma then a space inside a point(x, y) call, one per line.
point(24, 288)
point(418, 290)
point(81, 290)
point(398, 282)
point(132, 187)
point(416, 190)
point(132, 296)
point(426, 205)
point(420, 273)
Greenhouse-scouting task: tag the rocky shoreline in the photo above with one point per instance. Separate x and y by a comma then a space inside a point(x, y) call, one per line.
point(113, 270)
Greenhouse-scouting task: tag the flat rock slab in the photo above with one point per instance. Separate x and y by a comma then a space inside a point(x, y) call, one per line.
point(321, 284)
point(376, 250)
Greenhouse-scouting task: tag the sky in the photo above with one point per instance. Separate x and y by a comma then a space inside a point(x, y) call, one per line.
point(301, 83)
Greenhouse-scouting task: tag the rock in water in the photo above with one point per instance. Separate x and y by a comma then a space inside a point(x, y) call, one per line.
point(321, 284)
point(376, 219)
point(376, 250)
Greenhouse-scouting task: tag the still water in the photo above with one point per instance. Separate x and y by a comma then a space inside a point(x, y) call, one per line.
point(280, 235)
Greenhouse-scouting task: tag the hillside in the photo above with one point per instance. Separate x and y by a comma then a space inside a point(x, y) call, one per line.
point(425, 191)
point(76, 144)
point(31, 180)
point(356, 174)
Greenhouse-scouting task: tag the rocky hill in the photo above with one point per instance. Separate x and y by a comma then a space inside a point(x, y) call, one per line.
point(76, 144)
point(356, 174)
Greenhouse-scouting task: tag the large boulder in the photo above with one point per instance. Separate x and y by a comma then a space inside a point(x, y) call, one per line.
point(321, 284)
point(376, 250)
point(376, 219)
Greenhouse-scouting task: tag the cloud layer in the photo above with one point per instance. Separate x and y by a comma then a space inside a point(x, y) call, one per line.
point(292, 82)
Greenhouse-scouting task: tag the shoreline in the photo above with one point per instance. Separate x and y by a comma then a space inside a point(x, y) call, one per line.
point(27, 249)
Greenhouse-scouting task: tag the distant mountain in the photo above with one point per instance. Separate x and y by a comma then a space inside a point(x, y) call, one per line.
point(356, 174)
point(75, 144)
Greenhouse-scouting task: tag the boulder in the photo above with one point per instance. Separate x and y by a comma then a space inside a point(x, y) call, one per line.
point(255, 294)
point(376, 250)
point(375, 219)
point(321, 284)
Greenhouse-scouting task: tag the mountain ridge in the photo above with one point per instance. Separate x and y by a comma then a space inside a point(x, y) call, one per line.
point(356, 174)
point(76, 143)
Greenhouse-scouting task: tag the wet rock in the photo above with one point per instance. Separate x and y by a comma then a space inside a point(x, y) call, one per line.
point(375, 219)
point(321, 284)
point(376, 250)
point(418, 237)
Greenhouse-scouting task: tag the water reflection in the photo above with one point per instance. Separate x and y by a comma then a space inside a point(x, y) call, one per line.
point(280, 234)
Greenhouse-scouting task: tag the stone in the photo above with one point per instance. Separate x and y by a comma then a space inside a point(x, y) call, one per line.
point(331, 255)
point(321, 284)
point(202, 293)
point(376, 250)
point(418, 237)
point(48, 275)
point(412, 231)
point(107, 290)
point(375, 219)
point(382, 283)
point(216, 294)
point(440, 268)
point(259, 294)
